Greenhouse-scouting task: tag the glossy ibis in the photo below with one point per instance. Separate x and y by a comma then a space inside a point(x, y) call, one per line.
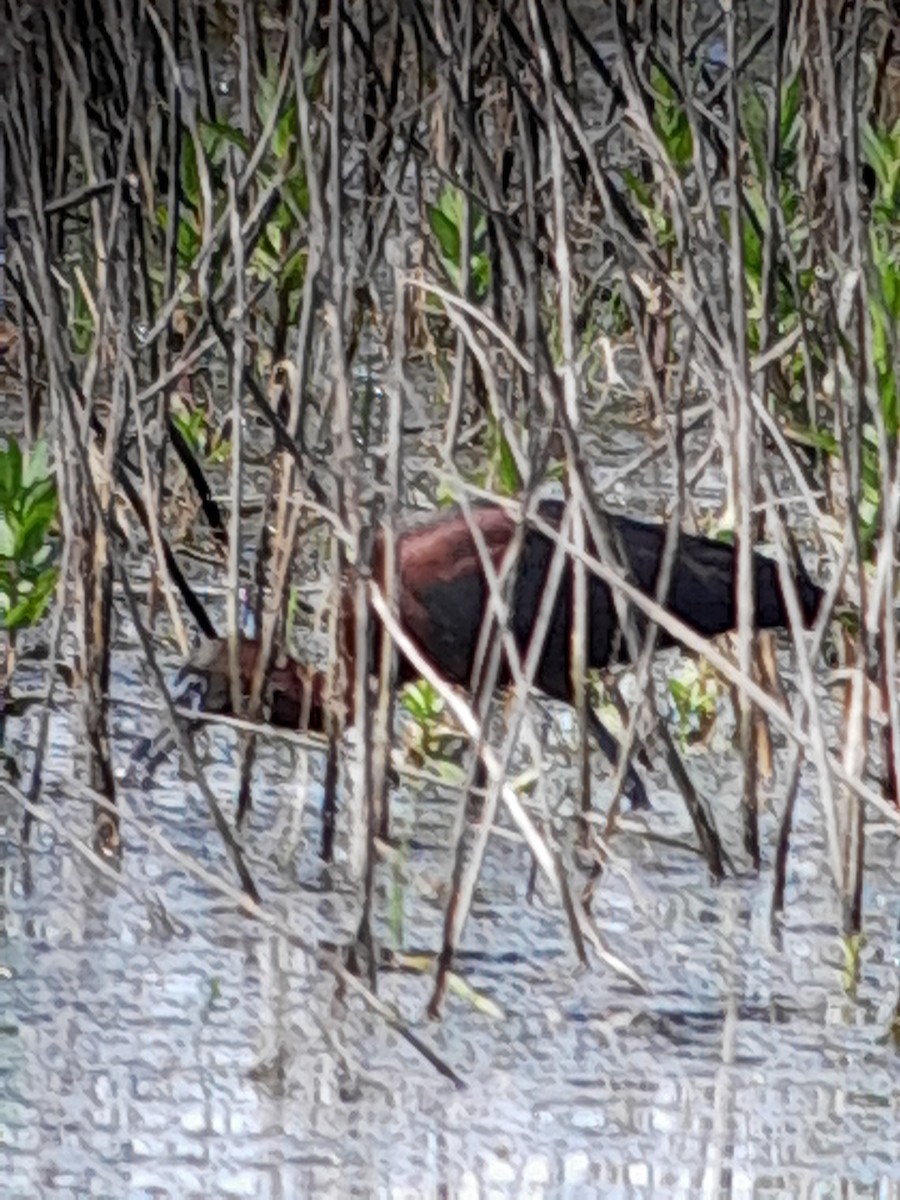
point(443, 597)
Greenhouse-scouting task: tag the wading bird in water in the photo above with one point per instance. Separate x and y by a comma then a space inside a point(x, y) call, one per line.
point(443, 597)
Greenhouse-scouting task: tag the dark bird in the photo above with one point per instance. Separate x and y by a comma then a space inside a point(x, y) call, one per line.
point(443, 597)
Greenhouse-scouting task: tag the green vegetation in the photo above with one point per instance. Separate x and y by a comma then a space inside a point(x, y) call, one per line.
point(447, 220)
point(28, 510)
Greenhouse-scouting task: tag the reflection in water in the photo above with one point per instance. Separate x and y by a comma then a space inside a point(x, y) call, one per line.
point(153, 1041)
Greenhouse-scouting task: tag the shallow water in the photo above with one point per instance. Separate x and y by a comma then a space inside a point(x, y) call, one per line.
point(155, 1042)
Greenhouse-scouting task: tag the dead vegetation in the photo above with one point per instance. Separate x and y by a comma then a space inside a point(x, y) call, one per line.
point(336, 260)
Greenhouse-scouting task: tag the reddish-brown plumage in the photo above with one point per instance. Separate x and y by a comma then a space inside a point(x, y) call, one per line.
point(443, 597)
point(441, 551)
point(294, 697)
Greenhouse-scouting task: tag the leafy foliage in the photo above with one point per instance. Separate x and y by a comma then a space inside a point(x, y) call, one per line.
point(447, 219)
point(206, 442)
point(429, 733)
point(694, 692)
point(28, 509)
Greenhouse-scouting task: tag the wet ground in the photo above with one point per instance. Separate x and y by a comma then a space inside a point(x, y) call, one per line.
point(155, 1042)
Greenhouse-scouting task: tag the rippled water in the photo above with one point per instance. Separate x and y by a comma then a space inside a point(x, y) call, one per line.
point(154, 1042)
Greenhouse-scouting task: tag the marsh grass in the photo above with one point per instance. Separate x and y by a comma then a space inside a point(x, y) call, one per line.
point(358, 254)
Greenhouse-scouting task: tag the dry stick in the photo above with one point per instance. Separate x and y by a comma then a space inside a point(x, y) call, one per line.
point(670, 549)
point(211, 235)
point(854, 758)
point(86, 476)
point(98, 582)
point(362, 798)
point(472, 726)
point(647, 324)
point(849, 323)
point(700, 815)
point(882, 614)
point(244, 90)
point(170, 264)
point(771, 182)
point(479, 352)
point(719, 1149)
point(316, 254)
point(315, 237)
point(883, 593)
point(531, 305)
point(480, 316)
point(465, 875)
point(234, 347)
point(763, 374)
point(465, 240)
point(96, 579)
point(779, 874)
point(182, 740)
point(275, 922)
point(392, 482)
point(184, 364)
point(720, 662)
point(804, 666)
point(855, 850)
point(496, 641)
point(184, 745)
point(742, 446)
point(151, 508)
point(699, 142)
point(579, 633)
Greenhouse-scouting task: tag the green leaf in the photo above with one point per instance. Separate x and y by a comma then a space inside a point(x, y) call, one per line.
point(754, 117)
point(294, 272)
point(190, 172)
point(29, 609)
point(638, 188)
point(28, 507)
point(35, 494)
point(422, 702)
point(671, 122)
point(284, 135)
point(790, 110)
point(266, 92)
point(188, 241)
point(298, 189)
point(10, 473)
point(753, 249)
point(447, 234)
point(7, 538)
point(273, 237)
point(33, 532)
point(481, 275)
point(190, 425)
point(507, 472)
point(216, 135)
point(37, 464)
point(887, 387)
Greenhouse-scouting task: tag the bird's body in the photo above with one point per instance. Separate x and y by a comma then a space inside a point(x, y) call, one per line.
point(443, 597)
